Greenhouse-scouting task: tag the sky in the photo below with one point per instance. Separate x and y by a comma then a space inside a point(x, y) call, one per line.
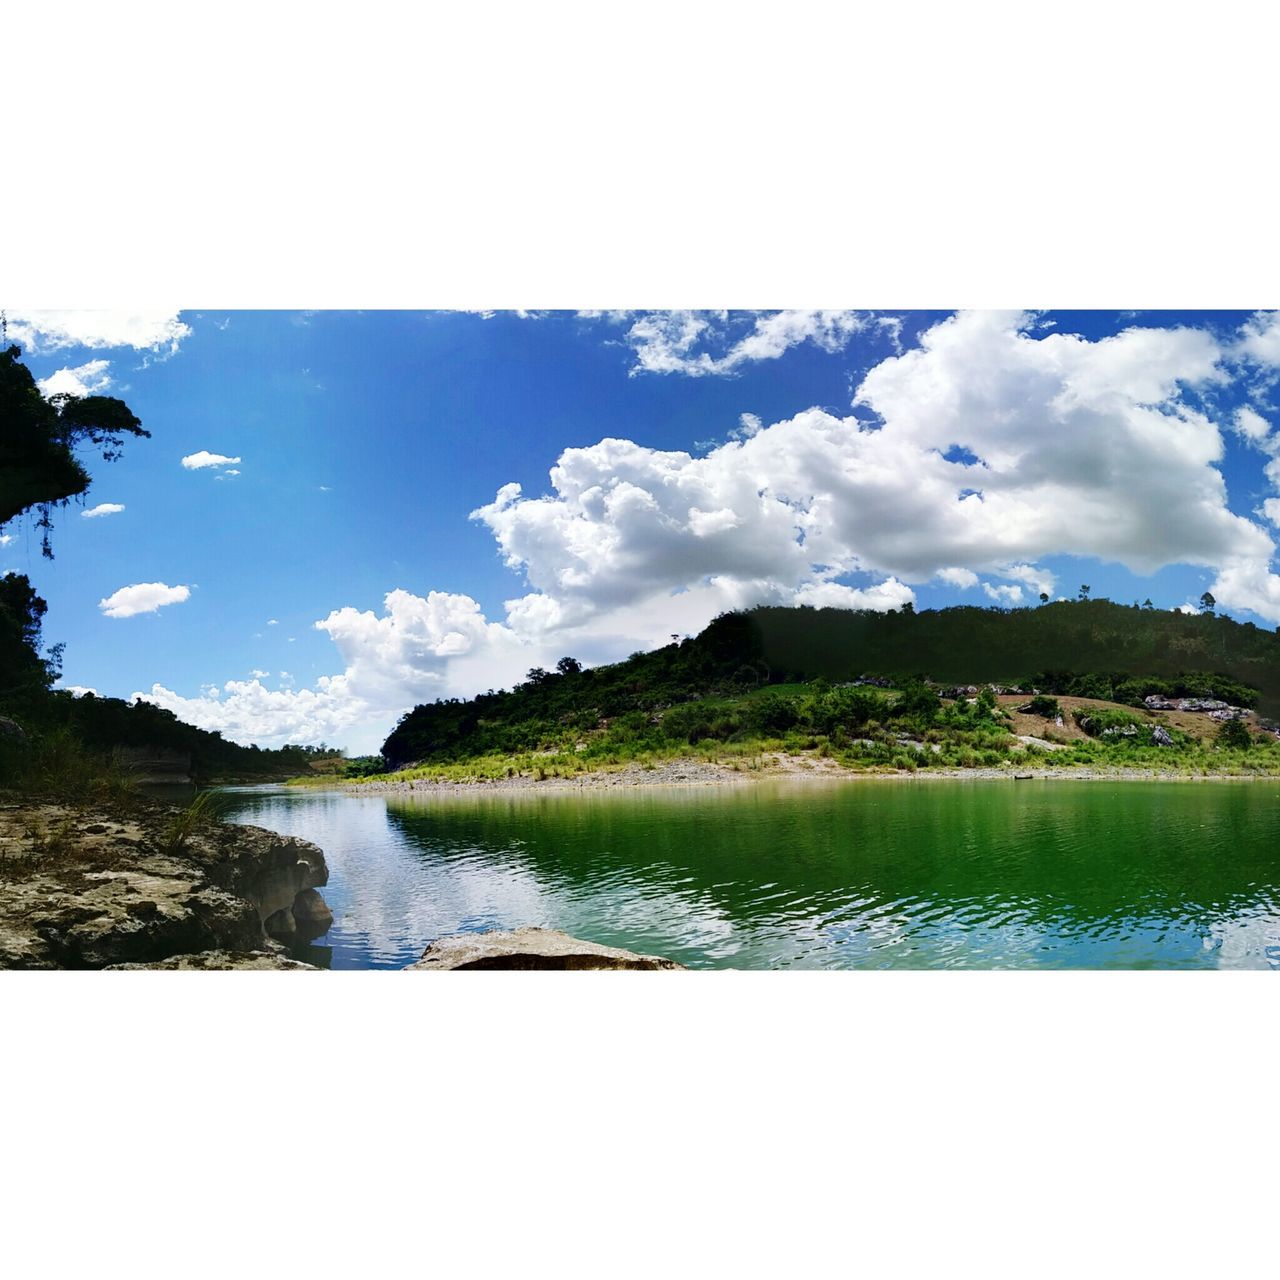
point(339, 515)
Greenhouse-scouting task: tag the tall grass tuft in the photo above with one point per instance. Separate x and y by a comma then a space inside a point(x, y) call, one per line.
point(204, 811)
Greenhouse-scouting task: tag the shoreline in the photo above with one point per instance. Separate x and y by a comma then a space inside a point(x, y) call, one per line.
point(692, 774)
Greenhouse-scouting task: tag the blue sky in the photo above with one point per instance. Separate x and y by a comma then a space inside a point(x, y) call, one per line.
point(883, 457)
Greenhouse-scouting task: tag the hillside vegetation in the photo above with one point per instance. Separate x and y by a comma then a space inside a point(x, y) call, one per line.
point(877, 690)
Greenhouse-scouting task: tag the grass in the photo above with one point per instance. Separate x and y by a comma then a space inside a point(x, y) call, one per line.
point(956, 736)
point(203, 811)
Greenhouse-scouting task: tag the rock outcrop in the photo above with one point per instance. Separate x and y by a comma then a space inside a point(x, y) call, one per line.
point(102, 885)
point(205, 960)
point(531, 949)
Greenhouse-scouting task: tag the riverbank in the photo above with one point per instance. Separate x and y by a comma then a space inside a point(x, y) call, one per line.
point(690, 772)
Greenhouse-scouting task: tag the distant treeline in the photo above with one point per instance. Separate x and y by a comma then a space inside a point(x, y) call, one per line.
point(1089, 648)
point(102, 724)
point(972, 644)
point(54, 722)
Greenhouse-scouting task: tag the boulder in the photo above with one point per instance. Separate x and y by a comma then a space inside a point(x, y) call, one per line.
point(280, 923)
point(531, 949)
point(1161, 737)
point(310, 908)
point(258, 960)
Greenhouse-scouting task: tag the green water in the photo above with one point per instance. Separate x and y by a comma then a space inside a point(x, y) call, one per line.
point(864, 874)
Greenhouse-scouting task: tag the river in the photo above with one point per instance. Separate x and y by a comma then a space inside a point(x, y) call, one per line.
point(846, 875)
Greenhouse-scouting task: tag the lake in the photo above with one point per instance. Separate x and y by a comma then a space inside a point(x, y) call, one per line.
point(865, 874)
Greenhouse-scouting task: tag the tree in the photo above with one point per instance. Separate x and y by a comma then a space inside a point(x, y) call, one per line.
point(23, 672)
point(1207, 602)
point(1084, 591)
point(1044, 597)
point(568, 666)
point(1235, 733)
point(38, 440)
point(1146, 604)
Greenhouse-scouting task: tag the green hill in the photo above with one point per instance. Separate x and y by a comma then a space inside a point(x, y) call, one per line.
point(752, 674)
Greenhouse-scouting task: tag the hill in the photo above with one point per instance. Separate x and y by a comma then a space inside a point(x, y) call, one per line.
point(770, 671)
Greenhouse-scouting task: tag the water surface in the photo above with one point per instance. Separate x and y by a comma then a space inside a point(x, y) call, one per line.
point(862, 874)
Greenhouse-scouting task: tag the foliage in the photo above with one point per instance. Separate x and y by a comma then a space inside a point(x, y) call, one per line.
point(1099, 722)
point(203, 811)
point(38, 438)
point(793, 680)
point(1044, 706)
point(25, 676)
point(1235, 734)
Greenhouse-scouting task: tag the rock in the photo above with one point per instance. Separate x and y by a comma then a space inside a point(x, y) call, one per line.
point(280, 923)
point(99, 886)
point(260, 960)
point(310, 908)
point(311, 915)
point(531, 949)
point(1161, 737)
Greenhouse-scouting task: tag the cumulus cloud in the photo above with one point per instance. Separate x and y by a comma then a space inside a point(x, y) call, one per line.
point(89, 379)
point(1249, 423)
point(202, 459)
point(5, 539)
point(686, 341)
point(1260, 338)
point(43, 331)
point(971, 457)
point(142, 597)
point(103, 509)
point(957, 577)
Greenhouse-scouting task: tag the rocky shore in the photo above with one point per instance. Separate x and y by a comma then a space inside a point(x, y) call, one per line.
point(127, 886)
point(705, 773)
point(100, 885)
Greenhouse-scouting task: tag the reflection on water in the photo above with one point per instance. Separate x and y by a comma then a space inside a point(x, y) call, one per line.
point(861, 875)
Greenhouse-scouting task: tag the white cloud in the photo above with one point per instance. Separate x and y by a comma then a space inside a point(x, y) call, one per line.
point(77, 690)
point(677, 341)
point(202, 459)
point(103, 509)
point(1249, 423)
point(991, 445)
point(5, 539)
point(1260, 338)
point(272, 622)
point(259, 674)
point(142, 597)
point(89, 379)
point(1041, 581)
point(41, 331)
point(1271, 509)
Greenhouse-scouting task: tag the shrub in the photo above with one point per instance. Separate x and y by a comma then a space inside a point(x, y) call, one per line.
point(1235, 734)
point(1043, 705)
